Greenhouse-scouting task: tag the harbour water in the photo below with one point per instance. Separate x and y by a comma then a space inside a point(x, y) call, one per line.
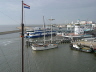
point(61, 59)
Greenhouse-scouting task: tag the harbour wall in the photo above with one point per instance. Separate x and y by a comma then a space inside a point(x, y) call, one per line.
point(9, 32)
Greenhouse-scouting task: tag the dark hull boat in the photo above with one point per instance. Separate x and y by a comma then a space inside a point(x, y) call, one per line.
point(82, 48)
point(94, 50)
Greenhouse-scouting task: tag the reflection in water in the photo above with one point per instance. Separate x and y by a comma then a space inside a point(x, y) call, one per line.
point(5, 42)
point(75, 55)
point(95, 54)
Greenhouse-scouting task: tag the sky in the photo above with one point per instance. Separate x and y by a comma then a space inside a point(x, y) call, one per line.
point(63, 11)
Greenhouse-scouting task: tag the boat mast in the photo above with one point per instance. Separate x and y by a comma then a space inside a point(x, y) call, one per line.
point(22, 26)
point(51, 27)
point(44, 29)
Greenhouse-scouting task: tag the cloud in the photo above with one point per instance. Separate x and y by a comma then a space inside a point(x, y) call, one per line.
point(60, 9)
point(10, 5)
point(67, 4)
point(13, 7)
point(41, 3)
point(35, 4)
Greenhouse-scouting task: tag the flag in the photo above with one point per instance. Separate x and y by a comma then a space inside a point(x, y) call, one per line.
point(26, 6)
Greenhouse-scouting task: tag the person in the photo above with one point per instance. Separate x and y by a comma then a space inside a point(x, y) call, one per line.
point(27, 34)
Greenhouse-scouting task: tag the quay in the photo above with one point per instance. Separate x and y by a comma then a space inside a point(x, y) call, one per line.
point(55, 39)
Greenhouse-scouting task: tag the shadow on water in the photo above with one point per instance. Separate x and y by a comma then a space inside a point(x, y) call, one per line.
point(95, 54)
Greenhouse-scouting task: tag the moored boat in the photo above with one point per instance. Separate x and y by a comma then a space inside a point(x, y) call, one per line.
point(75, 46)
point(42, 46)
point(94, 50)
point(81, 48)
point(38, 33)
point(86, 49)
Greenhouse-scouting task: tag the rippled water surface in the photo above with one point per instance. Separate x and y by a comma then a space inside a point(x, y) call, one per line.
point(61, 59)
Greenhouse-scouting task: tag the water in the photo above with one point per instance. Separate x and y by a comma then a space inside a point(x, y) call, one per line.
point(61, 59)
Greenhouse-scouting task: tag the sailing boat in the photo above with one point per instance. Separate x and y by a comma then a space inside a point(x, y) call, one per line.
point(44, 46)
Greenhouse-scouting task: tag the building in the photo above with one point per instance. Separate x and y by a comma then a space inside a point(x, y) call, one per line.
point(83, 22)
point(78, 30)
point(86, 22)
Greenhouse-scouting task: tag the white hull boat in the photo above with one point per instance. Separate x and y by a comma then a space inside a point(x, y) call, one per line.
point(44, 46)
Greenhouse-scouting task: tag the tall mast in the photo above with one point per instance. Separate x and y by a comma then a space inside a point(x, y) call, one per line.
point(22, 25)
point(44, 29)
point(51, 28)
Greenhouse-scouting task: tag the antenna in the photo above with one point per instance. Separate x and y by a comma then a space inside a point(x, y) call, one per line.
point(44, 29)
point(51, 27)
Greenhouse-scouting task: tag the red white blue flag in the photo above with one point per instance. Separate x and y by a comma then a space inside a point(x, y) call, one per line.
point(26, 6)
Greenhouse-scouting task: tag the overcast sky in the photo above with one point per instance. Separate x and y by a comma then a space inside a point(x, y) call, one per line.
point(62, 11)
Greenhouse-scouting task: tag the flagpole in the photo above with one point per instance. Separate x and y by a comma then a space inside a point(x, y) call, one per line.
point(22, 25)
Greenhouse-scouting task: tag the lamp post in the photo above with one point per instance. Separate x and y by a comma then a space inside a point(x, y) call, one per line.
point(51, 27)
